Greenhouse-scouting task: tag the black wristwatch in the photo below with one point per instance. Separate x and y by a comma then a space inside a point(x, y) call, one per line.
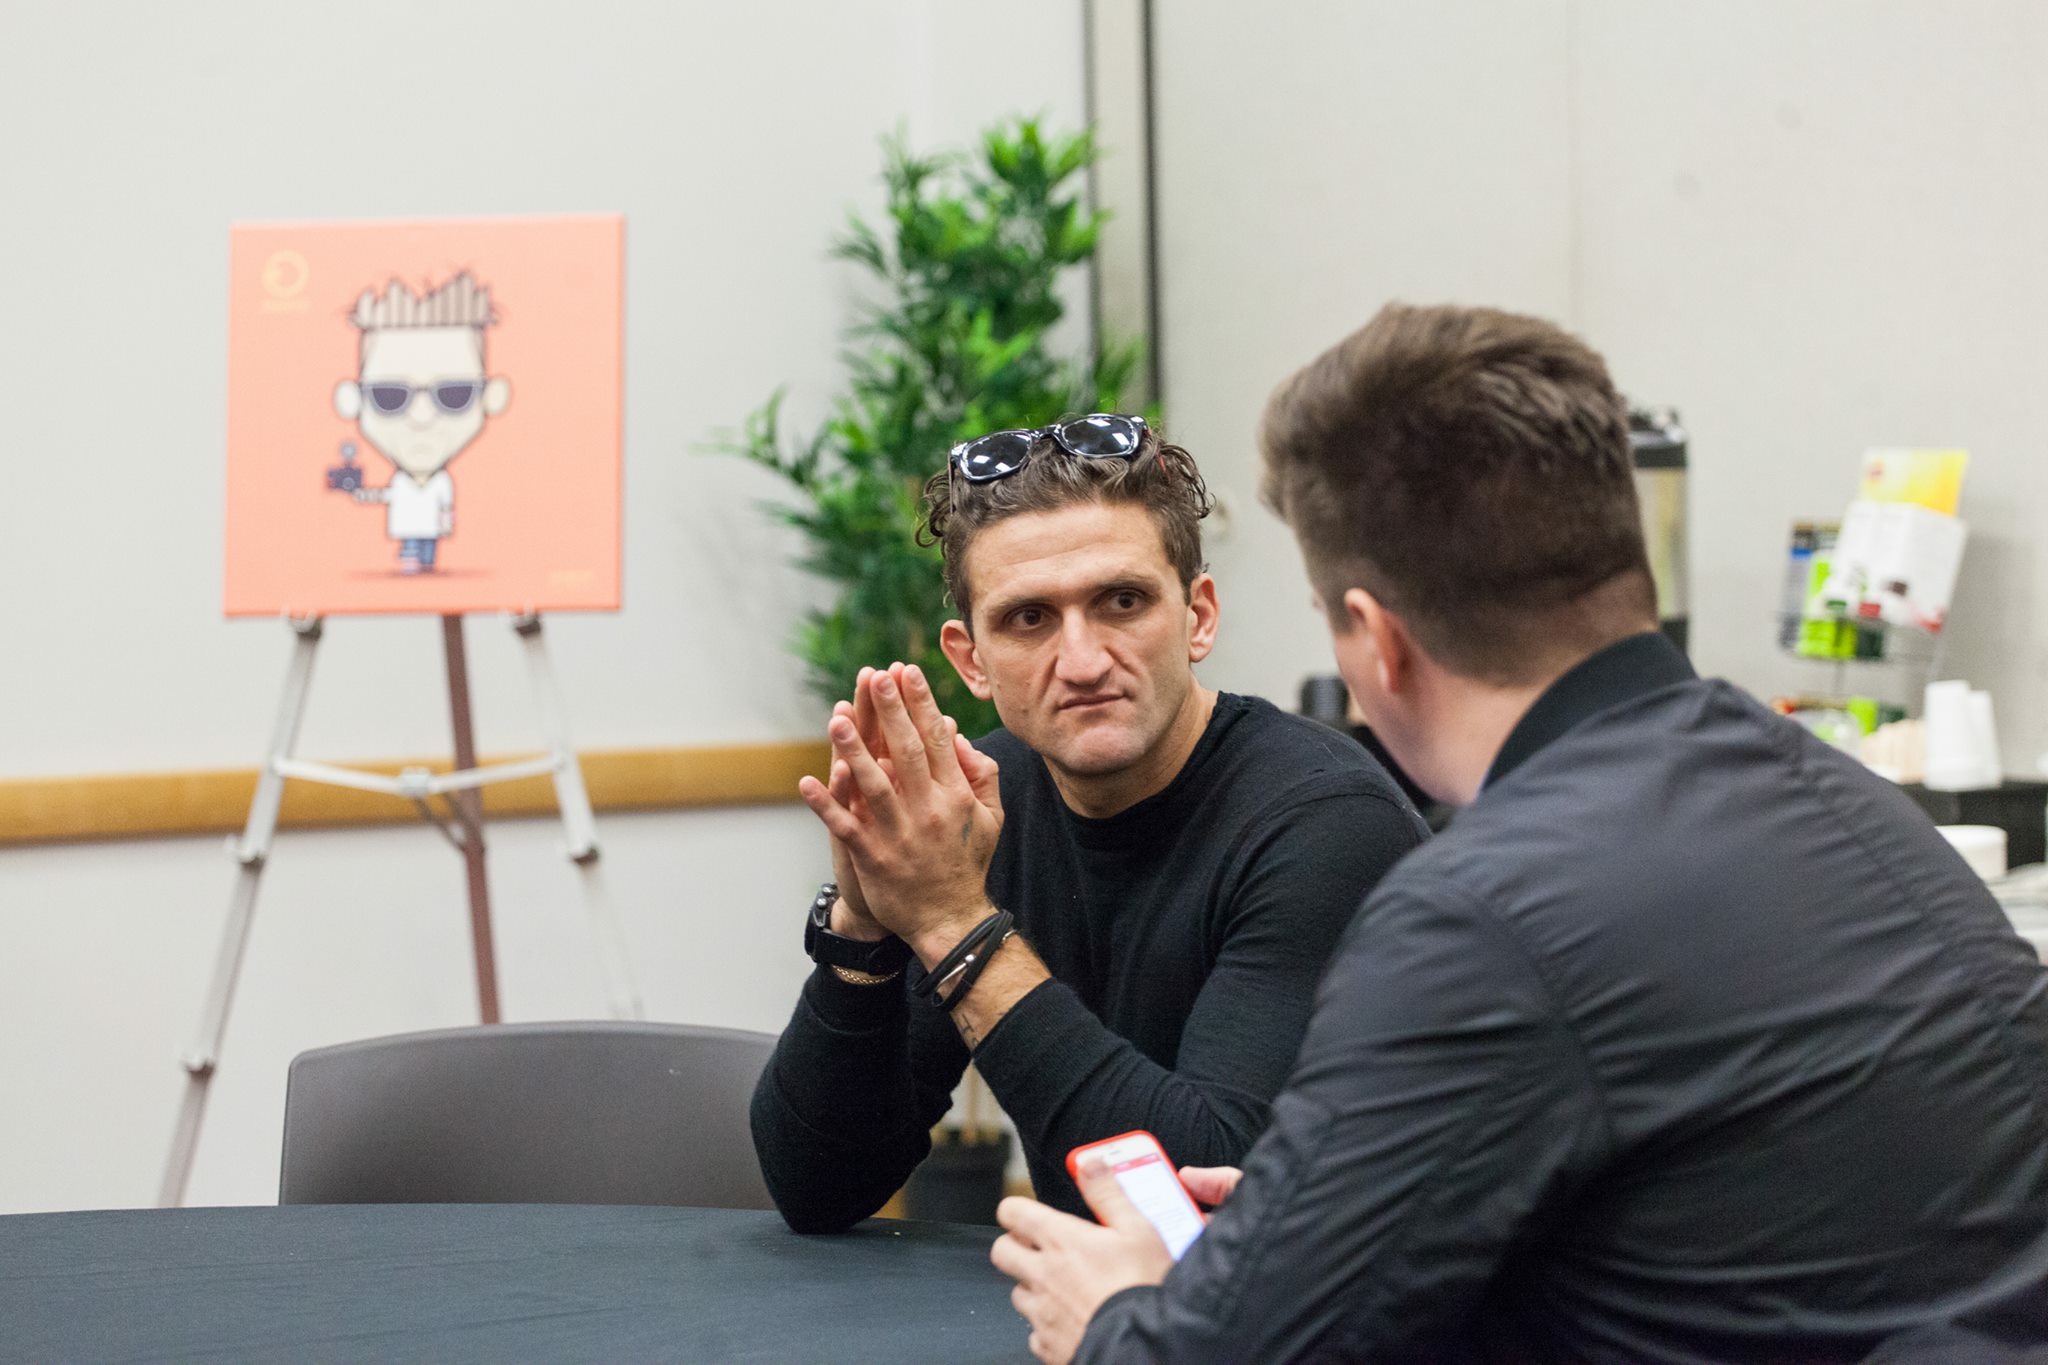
point(882, 957)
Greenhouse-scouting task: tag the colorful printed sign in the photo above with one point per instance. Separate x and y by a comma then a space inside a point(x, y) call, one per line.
point(1925, 478)
point(425, 416)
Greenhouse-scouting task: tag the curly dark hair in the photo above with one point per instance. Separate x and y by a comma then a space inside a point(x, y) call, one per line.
point(1161, 477)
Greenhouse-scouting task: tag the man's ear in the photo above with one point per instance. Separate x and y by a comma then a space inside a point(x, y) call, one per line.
point(348, 400)
point(966, 660)
point(497, 394)
point(1393, 649)
point(1203, 610)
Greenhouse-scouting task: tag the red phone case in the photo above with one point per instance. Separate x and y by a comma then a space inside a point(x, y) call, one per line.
point(1074, 1161)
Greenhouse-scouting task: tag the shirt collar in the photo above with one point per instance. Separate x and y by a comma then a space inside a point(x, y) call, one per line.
point(1624, 670)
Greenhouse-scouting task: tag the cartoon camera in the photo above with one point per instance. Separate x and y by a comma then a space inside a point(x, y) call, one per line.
point(347, 476)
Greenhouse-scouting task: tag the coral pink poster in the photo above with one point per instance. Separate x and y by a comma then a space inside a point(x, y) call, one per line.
point(425, 416)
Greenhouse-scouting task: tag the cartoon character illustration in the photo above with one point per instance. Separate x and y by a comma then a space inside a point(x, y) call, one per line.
point(420, 396)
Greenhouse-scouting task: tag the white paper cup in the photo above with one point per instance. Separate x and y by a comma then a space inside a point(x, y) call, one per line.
point(1982, 847)
point(1962, 747)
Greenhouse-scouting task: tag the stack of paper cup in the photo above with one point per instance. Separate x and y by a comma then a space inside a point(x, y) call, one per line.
point(1982, 847)
point(1962, 739)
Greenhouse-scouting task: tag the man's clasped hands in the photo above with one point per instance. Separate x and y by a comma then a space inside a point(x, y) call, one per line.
point(914, 811)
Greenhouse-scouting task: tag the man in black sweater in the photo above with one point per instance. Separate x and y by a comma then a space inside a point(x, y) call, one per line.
point(1118, 904)
point(1689, 1040)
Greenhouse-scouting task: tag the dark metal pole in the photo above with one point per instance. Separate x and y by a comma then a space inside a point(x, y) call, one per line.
point(469, 811)
point(1155, 336)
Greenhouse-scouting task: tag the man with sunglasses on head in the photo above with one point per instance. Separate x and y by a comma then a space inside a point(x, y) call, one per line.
point(1117, 905)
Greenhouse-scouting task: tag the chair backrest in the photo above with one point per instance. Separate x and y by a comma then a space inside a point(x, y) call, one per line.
point(552, 1113)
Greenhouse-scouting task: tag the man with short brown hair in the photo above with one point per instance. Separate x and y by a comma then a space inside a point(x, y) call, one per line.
point(1689, 1040)
point(1119, 903)
point(1525, 554)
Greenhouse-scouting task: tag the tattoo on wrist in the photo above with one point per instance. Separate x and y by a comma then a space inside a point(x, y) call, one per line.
point(966, 830)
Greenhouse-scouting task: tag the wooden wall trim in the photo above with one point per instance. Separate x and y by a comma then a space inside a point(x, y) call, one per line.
point(41, 810)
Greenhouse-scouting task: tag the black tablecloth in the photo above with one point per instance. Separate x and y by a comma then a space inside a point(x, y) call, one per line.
point(495, 1282)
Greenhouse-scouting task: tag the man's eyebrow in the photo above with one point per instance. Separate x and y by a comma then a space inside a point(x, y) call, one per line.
point(999, 605)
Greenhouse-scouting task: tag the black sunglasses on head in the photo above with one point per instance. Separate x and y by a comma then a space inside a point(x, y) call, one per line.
point(1098, 436)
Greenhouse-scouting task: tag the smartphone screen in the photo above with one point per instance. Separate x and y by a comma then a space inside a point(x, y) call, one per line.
point(1150, 1182)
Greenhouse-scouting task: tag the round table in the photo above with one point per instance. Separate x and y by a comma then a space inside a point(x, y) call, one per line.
point(457, 1282)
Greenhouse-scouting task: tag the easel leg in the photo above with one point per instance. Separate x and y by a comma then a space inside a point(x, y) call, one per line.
point(469, 810)
point(254, 848)
point(610, 934)
point(579, 825)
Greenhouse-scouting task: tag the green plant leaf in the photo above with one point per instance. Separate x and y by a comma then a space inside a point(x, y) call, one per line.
point(966, 256)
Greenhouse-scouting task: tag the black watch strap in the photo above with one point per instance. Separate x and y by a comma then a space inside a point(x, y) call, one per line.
point(882, 957)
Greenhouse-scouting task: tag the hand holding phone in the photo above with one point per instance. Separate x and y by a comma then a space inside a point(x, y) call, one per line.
point(1147, 1178)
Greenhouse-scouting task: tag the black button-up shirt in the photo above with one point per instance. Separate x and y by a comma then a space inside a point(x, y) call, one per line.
point(1690, 1039)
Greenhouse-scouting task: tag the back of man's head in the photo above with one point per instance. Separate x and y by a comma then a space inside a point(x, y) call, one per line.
point(1470, 469)
point(1159, 476)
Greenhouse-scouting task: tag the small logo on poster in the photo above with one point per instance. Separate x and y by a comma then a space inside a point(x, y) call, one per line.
point(285, 276)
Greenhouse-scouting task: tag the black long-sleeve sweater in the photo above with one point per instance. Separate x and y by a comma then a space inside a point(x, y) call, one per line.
point(1185, 937)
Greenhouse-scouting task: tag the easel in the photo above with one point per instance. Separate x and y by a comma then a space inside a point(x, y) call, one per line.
point(460, 788)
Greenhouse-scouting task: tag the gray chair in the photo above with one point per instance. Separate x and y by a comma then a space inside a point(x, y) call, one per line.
point(555, 1113)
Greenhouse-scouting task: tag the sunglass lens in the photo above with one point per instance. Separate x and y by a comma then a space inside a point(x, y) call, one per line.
point(1100, 434)
point(456, 396)
point(389, 399)
point(995, 456)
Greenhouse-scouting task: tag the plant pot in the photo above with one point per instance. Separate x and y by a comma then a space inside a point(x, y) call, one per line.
point(960, 1182)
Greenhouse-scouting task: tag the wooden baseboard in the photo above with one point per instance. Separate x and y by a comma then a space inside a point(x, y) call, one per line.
point(163, 805)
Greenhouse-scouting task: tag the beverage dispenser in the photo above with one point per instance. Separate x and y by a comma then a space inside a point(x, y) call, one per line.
point(1658, 444)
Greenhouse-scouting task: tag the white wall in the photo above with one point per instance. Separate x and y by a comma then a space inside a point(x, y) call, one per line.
point(357, 934)
point(1818, 228)
point(1312, 165)
point(1812, 226)
point(734, 137)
